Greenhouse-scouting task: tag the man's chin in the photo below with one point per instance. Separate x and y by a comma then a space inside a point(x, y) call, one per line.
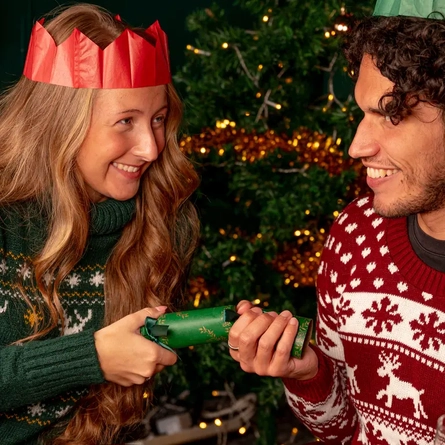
point(387, 209)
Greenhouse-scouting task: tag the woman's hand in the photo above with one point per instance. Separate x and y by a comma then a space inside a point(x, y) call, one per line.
point(264, 342)
point(125, 356)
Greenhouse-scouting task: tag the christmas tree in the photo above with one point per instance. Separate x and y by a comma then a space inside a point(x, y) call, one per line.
point(269, 115)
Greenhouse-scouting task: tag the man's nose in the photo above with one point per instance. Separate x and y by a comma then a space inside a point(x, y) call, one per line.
point(365, 143)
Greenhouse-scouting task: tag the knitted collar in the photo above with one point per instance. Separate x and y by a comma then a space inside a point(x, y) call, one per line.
point(111, 216)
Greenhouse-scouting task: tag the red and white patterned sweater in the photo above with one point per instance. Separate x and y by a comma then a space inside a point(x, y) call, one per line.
point(380, 336)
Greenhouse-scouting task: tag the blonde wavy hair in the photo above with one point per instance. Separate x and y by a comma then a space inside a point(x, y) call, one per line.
point(42, 127)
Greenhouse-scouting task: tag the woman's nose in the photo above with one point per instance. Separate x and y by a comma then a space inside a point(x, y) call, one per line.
point(146, 146)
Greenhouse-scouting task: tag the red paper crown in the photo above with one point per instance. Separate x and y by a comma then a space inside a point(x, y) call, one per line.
point(130, 61)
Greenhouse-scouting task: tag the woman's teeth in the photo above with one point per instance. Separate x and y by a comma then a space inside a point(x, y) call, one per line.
point(379, 173)
point(126, 168)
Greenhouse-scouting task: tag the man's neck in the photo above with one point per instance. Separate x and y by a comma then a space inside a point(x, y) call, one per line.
point(433, 223)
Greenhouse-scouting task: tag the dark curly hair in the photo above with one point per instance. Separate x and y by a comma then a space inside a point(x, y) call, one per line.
point(410, 52)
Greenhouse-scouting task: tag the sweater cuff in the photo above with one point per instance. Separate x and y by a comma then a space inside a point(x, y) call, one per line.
point(318, 387)
point(63, 363)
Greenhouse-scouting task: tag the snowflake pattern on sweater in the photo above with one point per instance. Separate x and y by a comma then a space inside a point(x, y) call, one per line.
point(79, 299)
point(380, 337)
point(41, 380)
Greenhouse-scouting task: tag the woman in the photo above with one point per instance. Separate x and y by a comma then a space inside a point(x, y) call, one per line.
point(96, 228)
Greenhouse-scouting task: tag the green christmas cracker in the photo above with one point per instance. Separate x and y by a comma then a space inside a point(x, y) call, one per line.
point(189, 328)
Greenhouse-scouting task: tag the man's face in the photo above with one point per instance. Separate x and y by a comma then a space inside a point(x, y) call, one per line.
point(405, 162)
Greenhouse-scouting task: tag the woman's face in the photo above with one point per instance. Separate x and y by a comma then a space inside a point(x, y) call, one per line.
point(126, 134)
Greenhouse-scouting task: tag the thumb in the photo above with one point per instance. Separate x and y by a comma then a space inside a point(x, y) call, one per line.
point(137, 319)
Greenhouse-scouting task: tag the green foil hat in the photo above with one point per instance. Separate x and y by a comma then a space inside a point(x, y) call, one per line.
point(432, 9)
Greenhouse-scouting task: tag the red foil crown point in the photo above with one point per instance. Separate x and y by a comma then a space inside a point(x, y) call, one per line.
point(130, 61)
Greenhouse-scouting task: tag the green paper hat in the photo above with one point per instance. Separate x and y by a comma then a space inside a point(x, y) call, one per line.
point(432, 9)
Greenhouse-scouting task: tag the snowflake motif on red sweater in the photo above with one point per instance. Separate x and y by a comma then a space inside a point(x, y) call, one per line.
point(380, 334)
point(429, 330)
point(382, 316)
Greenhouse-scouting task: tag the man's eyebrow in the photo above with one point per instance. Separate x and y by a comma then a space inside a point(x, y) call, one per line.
point(376, 111)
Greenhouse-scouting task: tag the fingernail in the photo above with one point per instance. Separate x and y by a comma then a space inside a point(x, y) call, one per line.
point(161, 308)
point(293, 321)
point(286, 314)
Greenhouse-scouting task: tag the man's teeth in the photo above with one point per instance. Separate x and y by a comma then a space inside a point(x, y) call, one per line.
point(127, 168)
point(379, 173)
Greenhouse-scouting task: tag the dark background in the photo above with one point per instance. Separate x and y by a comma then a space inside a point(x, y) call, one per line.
point(18, 17)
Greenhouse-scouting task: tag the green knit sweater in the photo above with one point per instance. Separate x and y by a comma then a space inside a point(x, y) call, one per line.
point(40, 381)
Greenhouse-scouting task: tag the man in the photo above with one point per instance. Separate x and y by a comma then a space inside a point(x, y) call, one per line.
point(377, 374)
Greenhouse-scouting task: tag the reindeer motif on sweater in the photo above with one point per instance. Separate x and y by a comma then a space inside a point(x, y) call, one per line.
point(380, 337)
point(396, 387)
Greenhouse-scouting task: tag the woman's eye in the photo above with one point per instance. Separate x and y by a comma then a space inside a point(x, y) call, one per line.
point(159, 119)
point(125, 121)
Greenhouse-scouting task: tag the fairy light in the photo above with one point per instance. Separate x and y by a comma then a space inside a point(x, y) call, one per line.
point(265, 18)
point(257, 301)
point(260, 67)
point(197, 299)
point(233, 258)
point(203, 425)
point(242, 430)
point(201, 52)
point(225, 45)
point(218, 422)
